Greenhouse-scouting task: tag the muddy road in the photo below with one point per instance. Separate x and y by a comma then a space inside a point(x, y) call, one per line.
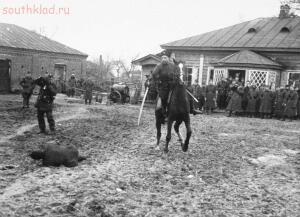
point(234, 167)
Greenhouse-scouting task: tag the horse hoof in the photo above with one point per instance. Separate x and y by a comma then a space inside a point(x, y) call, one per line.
point(185, 147)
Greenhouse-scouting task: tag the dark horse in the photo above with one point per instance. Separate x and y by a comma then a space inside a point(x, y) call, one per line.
point(178, 111)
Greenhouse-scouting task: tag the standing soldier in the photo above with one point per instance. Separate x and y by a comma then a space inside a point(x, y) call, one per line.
point(72, 85)
point(44, 102)
point(251, 98)
point(245, 97)
point(279, 97)
point(290, 103)
point(88, 86)
point(266, 104)
point(28, 85)
point(235, 102)
point(210, 97)
point(165, 75)
point(222, 88)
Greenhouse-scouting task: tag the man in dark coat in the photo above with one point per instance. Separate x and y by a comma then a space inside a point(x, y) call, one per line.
point(28, 85)
point(88, 86)
point(210, 97)
point(251, 101)
point(222, 89)
point(235, 102)
point(165, 75)
point(245, 96)
point(278, 107)
point(290, 102)
point(266, 104)
point(44, 102)
point(72, 85)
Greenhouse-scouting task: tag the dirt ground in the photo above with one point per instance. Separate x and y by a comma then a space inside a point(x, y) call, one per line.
point(234, 167)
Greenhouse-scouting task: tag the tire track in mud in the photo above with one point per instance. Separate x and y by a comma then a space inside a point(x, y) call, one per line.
point(77, 112)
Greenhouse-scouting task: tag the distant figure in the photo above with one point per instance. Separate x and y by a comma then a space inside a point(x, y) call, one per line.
point(266, 104)
point(57, 155)
point(28, 85)
point(72, 85)
point(290, 103)
point(88, 86)
point(44, 102)
point(210, 97)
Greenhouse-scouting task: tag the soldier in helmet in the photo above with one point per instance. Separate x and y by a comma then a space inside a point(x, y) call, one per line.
point(44, 102)
point(28, 85)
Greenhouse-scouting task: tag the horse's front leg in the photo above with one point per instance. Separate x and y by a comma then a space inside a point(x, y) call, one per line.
point(168, 138)
point(188, 133)
point(176, 128)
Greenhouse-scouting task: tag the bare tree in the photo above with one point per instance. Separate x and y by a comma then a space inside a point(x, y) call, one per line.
point(294, 4)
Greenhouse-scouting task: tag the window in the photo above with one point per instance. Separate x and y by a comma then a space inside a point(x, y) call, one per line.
point(285, 30)
point(293, 77)
point(251, 30)
point(187, 76)
point(257, 77)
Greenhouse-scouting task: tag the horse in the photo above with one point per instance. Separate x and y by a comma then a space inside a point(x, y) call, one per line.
point(178, 111)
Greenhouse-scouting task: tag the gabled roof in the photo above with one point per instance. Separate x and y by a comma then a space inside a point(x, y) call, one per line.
point(247, 58)
point(149, 56)
point(264, 34)
point(14, 36)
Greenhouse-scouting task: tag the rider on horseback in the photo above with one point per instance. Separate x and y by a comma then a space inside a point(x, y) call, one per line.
point(165, 76)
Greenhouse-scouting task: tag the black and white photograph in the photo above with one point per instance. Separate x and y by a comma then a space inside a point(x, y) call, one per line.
point(150, 108)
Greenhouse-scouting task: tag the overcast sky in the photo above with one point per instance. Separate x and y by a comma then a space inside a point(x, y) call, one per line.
point(129, 28)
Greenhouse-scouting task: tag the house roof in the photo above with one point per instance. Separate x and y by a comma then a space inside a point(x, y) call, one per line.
point(149, 56)
point(247, 58)
point(261, 33)
point(14, 36)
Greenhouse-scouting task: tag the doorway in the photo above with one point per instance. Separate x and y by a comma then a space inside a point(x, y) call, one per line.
point(60, 77)
point(232, 73)
point(4, 76)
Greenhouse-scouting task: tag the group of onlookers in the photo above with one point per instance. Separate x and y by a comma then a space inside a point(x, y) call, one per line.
point(249, 100)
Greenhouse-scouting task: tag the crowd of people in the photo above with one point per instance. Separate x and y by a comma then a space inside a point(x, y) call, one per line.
point(248, 100)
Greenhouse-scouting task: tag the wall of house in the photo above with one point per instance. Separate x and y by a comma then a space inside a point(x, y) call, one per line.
point(192, 58)
point(291, 61)
point(40, 62)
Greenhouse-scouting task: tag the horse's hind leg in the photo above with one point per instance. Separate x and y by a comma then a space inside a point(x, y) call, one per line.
point(158, 133)
point(188, 134)
point(176, 128)
point(168, 138)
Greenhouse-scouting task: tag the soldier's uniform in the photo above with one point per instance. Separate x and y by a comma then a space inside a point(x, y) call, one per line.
point(278, 107)
point(165, 75)
point(44, 103)
point(222, 88)
point(266, 104)
point(28, 85)
point(251, 101)
point(290, 102)
point(88, 86)
point(235, 102)
point(72, 84)
point(210, 98)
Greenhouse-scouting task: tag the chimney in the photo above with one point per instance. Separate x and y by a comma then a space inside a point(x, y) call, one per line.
point(284, 11)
